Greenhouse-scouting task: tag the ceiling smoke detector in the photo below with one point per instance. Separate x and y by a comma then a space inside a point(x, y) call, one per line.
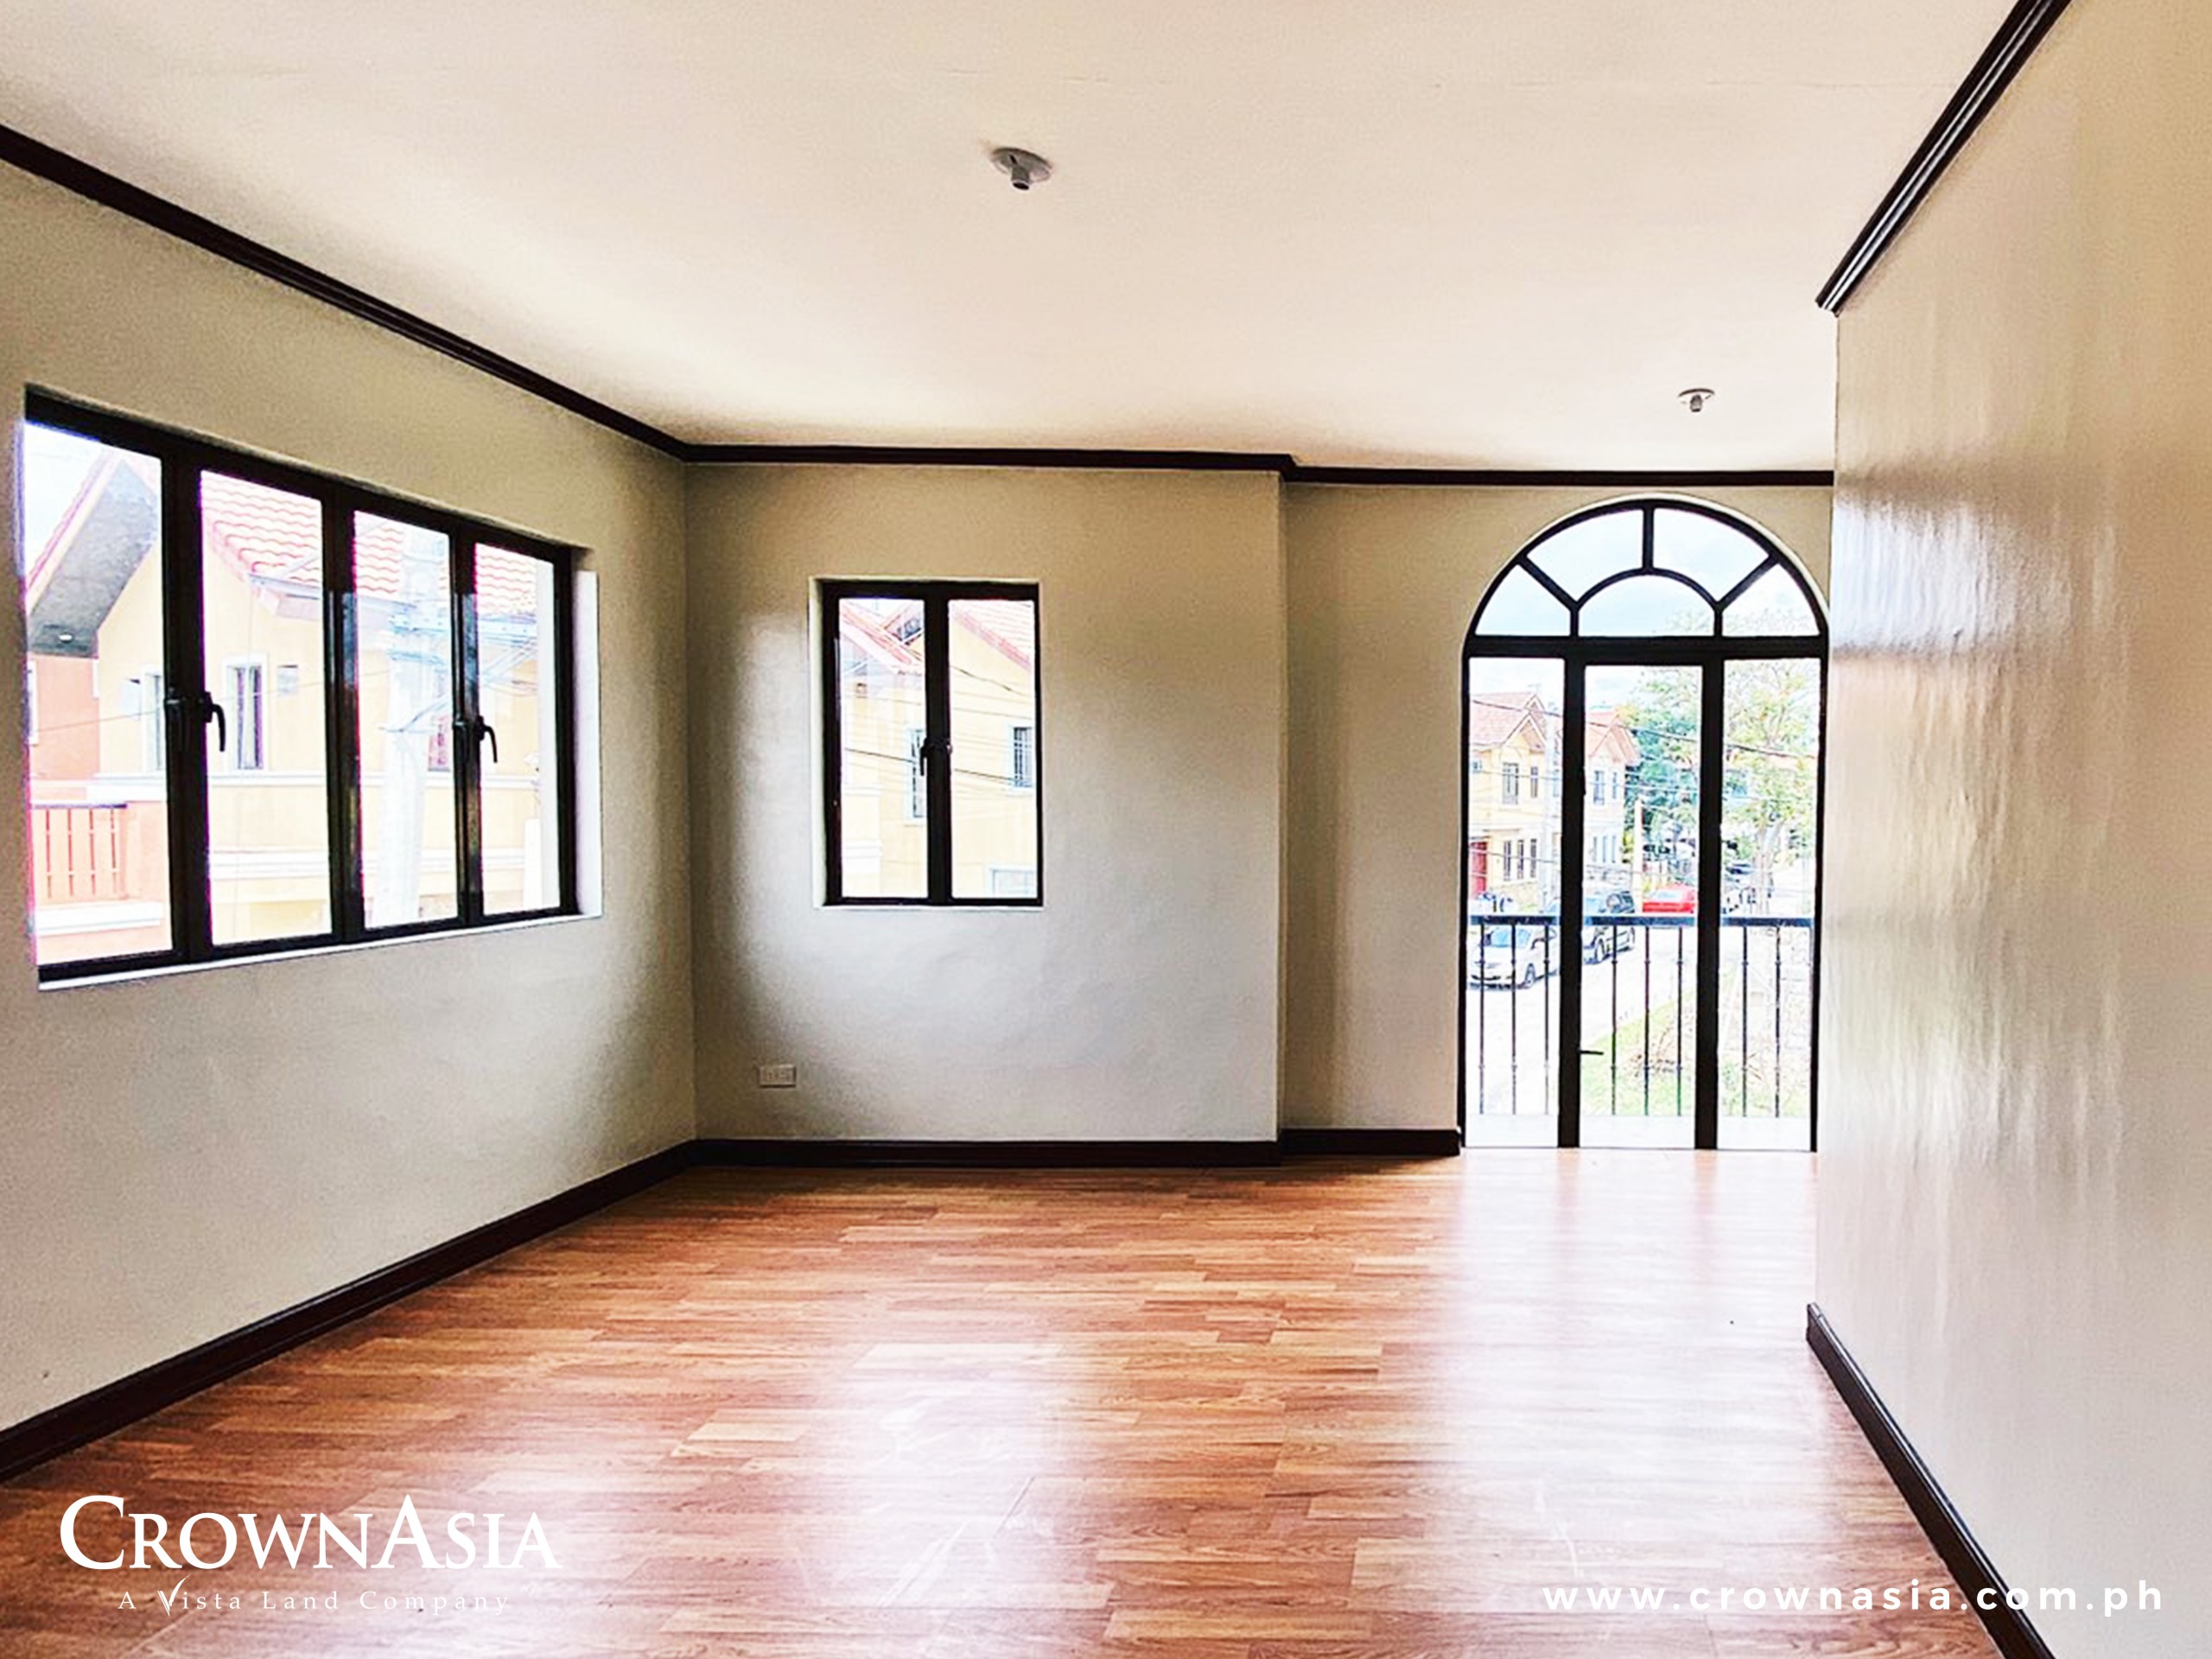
point(1024, 167)
point(1696, 398)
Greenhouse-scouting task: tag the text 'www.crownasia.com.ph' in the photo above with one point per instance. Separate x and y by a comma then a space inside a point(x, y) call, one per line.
point(2111, 1600)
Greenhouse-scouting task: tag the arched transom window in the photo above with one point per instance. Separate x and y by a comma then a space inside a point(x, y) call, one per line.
point(1639, 570)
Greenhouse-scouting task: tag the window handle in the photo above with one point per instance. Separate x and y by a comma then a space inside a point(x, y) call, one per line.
point(486, 733)
point(211, 709)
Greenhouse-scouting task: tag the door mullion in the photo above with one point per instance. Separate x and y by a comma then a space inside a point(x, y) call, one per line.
point(1573, 767)
point(465, 723)
point(1712, 771)
point(185, 712)
point(937, 678)
point(342, 719)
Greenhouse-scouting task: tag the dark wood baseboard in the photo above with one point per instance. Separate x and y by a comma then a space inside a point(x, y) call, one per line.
point(1369, 1143)
point(2015, 1638)
point(120, 1404)
point(988, 1154)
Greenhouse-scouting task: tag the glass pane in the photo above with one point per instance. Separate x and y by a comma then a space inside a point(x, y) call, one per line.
point(1644, 606)
point(1513, 830)
point(1714, 554)
point(1770, 771)
point(1638, 940)
point(402, 596)
point(268, 807)
point(882, 716)
point(518, 671)
point(1583, 555)
point(1519, 605)
point(94, 715)
point(1773, 604)
point(993, 651)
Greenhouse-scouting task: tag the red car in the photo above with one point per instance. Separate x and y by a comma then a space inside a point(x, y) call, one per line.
point(1679, 900)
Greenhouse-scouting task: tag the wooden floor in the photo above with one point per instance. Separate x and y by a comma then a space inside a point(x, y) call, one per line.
point(1334, 1409)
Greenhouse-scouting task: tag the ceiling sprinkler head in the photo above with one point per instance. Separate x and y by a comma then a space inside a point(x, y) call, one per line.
point(1024, 167)
point(1697, 397)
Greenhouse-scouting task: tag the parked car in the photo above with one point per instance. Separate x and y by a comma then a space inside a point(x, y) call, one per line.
point(1610, 901)
point(1510, 954)
point(1676, 899)
point(1738, 886)
point(1601, 943)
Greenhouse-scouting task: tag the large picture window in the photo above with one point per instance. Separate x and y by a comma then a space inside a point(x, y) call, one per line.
point(933, 746)
point(277, 709)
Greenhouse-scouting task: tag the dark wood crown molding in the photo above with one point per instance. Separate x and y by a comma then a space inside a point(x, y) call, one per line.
point(894, 454)
point(1494, 478)
point(42, 161)
point(2021, 33)
point(2009, 1628)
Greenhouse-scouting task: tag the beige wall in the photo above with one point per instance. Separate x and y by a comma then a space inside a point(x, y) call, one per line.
point(1383, 584)
point(2017, 1167)
point(186, 1154)
point(1141, 1002)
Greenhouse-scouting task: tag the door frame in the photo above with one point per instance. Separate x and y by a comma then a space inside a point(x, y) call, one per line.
point(1711, 655)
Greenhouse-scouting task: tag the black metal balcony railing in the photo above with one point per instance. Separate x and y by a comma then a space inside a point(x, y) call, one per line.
point(1639, 983)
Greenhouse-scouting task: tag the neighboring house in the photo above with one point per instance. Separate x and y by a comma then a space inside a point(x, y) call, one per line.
point(1609, 751)
point(96, 693)
point(883, 799)
point(1514, 814)
point(1512, 802)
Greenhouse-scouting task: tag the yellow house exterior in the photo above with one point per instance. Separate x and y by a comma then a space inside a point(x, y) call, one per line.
point(883, 796)
point(1515, 777)
point(99, 827)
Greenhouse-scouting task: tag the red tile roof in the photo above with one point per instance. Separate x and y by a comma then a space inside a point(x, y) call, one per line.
point(1493, 716)
point(892, 637)
point(1008, 625)
point(273, 535)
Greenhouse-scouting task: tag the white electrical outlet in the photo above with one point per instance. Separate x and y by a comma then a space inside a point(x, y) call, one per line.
point(782, 1074)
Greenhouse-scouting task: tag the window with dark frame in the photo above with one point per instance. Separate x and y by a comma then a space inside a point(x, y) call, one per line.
point(933, 735)
point(208, 808)
point(247, 721)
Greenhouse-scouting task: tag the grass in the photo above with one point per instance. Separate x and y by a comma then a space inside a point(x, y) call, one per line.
point(1659, 1032)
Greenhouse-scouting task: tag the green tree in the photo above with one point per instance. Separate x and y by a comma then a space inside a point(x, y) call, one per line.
point(1770, 752)
point(1661, 714)
point(1769, 760)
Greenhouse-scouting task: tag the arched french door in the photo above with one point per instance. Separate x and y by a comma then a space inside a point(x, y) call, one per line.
point(1645, 692)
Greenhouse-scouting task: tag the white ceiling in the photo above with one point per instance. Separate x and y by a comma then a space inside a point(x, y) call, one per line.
point(1470, 233)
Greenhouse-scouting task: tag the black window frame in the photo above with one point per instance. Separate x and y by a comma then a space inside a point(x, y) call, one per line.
point(1712, 653)
point(935, 597)
point(190, 703)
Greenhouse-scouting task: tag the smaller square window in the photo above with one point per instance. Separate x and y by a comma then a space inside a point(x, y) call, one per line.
point(244, 705)
point(930, 699)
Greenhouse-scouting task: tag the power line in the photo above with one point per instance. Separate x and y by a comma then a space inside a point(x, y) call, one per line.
point(1657, 733)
